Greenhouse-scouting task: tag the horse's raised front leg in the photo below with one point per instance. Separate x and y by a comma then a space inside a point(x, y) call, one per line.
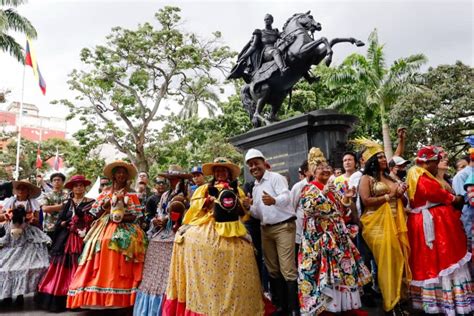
point(351, 40)
point(312, 46)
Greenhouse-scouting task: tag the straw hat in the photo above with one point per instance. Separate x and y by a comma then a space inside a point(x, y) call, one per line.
point(33, 190)
point(132, 171)
point(76, 179)
point(175, 171)
point(208, 168)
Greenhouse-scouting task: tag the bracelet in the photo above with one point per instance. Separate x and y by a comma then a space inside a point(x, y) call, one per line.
point(387, 197)
point(346, 204)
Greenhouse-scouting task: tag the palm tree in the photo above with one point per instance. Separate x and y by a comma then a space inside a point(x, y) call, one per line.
point(378, 87)
point(199, 93)
point(10, 20)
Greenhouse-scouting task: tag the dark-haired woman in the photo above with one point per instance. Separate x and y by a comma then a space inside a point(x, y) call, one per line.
point(23, 257)
point(26, 194)
point(384, 227)
point(73, 222)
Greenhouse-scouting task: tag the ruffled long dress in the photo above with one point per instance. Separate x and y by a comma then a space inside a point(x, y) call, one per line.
point(111, 265)
point(213, 269)
point(65, 251)
point(22, 261)
point(151, 293)
point(331, 272)
point(439, 261)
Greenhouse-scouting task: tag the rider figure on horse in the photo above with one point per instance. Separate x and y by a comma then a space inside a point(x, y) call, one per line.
point(273, 62)
point(261, 48)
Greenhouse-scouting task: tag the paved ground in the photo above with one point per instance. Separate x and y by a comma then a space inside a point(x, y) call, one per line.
point(30, 310)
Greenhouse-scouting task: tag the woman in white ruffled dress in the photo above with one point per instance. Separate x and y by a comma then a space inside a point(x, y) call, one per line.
point(23, 257)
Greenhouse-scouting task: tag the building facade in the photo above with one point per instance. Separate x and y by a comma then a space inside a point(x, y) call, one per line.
point(35, 127)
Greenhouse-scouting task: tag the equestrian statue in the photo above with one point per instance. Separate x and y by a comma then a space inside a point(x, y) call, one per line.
point(272, 62)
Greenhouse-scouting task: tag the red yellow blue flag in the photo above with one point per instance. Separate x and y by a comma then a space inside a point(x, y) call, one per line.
point(30, 60)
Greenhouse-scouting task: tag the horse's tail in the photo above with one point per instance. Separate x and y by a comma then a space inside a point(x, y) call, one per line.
point(247, 100)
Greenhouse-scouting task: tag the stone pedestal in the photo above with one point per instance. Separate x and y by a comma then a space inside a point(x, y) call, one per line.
point(285, 144)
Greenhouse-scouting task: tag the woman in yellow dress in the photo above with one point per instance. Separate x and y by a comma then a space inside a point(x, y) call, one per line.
point(213, 269)
point(384, 226)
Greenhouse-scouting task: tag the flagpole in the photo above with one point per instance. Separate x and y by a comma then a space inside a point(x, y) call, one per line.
point(20, 121)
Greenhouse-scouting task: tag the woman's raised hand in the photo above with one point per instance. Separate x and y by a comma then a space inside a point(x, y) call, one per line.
point(350, 193)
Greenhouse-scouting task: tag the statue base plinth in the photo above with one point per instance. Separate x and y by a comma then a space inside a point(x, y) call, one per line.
point(286, 144)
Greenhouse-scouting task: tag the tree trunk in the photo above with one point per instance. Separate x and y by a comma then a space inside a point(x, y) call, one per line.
point(141, 163)
point(387, 142)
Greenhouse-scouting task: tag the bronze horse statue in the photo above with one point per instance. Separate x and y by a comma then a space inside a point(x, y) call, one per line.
point(267, 84)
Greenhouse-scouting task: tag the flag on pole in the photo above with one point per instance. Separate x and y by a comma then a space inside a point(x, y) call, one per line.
point(56, 161)
point(30, 60)
point(39, 162)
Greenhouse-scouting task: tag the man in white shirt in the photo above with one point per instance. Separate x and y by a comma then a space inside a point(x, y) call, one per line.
point(272, 206)
point(295, 194)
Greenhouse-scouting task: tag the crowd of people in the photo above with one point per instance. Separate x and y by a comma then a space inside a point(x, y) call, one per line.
point(200, 243)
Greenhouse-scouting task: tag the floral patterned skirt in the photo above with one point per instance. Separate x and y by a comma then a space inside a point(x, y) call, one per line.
point(212, 275)
point(331, 271)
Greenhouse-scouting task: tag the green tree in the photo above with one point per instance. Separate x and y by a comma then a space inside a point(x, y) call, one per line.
point(377, 87)
point(27, 155)
point(10, 20)
point(134, 73)
point(200, 93)
point(234, 120)
point(75, 157)
point(443, 113)
point(190, 141)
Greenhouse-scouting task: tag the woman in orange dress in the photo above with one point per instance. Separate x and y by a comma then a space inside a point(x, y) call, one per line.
point(110, 267)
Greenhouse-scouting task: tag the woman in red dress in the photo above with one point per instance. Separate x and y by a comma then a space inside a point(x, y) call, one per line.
point(70, 229)
point(441, 281)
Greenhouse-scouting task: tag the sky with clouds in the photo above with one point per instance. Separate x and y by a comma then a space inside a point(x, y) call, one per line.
point(442, 30)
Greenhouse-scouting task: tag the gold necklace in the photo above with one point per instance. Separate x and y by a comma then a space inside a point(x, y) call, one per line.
point(78, 201)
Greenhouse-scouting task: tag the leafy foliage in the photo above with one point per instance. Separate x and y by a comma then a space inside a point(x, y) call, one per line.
point(192, 141)
point(322, 94)
point(441, 114)
point(75, 157)
point(10, 20)
point(374, 87)
point(134, 74)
